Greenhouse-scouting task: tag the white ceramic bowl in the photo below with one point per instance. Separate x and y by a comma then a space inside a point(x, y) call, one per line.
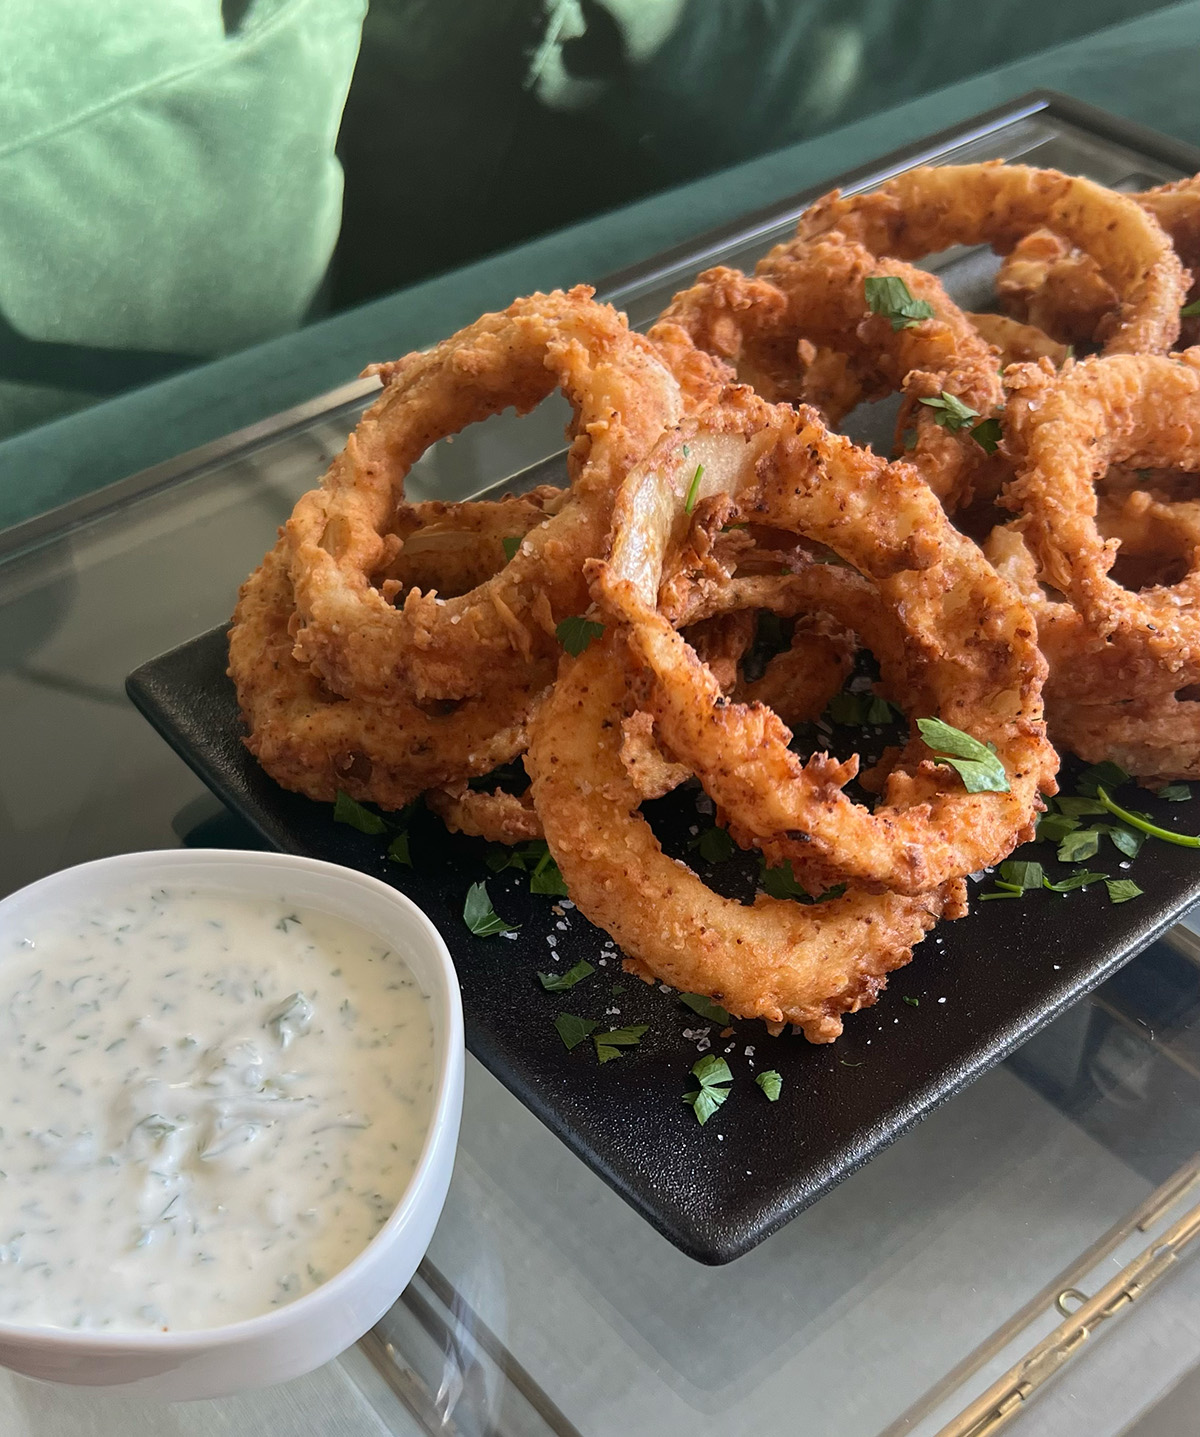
point(292, 1340)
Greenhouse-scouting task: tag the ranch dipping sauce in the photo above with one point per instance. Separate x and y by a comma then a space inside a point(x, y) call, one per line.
point(208, 1106)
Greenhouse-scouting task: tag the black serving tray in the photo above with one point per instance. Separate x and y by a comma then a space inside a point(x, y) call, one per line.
point(974, 992)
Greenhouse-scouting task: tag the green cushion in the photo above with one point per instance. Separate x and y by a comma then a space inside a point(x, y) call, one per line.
point(168, 189)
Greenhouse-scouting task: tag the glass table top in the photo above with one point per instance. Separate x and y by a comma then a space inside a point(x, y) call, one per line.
point(934, 1292)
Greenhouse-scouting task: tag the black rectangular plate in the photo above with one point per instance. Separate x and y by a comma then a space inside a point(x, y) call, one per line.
point(976, 990)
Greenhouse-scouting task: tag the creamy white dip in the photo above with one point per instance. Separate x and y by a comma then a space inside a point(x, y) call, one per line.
point(208, 1106)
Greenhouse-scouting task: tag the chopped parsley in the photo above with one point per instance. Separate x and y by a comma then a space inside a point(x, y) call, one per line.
point(349, 811)
point(979, 768)
point(912, 1002)
point(561, 982)
point(547, 879)
point(1022, 874)
point(399, 851)
point(1175, 793)
point(713, 1075)
point(887, 294)
point(576, 633)
point(779, 882)
point(950, 412)
point(533, 858)
point(1190, 310)
point(706, 1008)
point(479, 915)
point(1121, 890)
point(714, 845)
point(859, 710)
point(771, 1083)
point(1108, 774)
point(511, 542)
point(988, 434)
point(1054, 827)
point(1073, 881)
point(1079, 846)
point(613, 1043)
point(500, 856)
point(693, 490)
point(573, 1030)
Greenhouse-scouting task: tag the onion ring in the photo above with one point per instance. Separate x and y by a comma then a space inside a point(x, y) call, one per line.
point(933, 207)
point(1138, 410)
point(775, 959)
point(453, 548)
point(1018, 343)
point(799, 682)
point(1158, 739)
point(498, 816)
point(316, 743)
point(347, 631)
point(935, 587)
point(1047, 282)
point(800, 331)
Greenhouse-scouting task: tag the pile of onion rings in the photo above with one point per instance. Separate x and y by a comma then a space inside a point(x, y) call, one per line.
point(1032, 539)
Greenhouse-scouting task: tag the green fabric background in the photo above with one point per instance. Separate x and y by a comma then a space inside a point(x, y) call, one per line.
point(1145, 70)
point(165, 188)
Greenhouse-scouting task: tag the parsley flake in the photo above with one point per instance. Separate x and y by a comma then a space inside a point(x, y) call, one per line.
point(912, 1002)
point(1176, 792)
point(714, 845)
point(1108, 774)
point(1054, 827)
point(500, 856)
point(858, 710)
point(561, 982)
point(779, 882)
point(576, 633)
point(988, 434)
point(610, 1045)
point(706, 1008)
point(887, 294)
point(979, 768)
point(399, 851)
point(1190, 310)
point(1022, 874)
point(1076, 847)
point(713, 1075)
point(693, 490)
point(950, 412)
point(546, 878)
point(771, 1083)
point(573, 1030)
point(1073, 881)
point(511, 543)
point(479, 915)
point(1121, 890)
point(349, 811)
point(1079, 807)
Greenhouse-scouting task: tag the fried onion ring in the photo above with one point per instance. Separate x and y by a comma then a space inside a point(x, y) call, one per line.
point(800, 331)
point(315, 742)
point(347, 630)
point(930, 208)
point(1018, 343)
point(454, 548)
point(1137, 410)
point(962, 647)
point(775, 959)
point(1049, 283)
point(498, 816)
